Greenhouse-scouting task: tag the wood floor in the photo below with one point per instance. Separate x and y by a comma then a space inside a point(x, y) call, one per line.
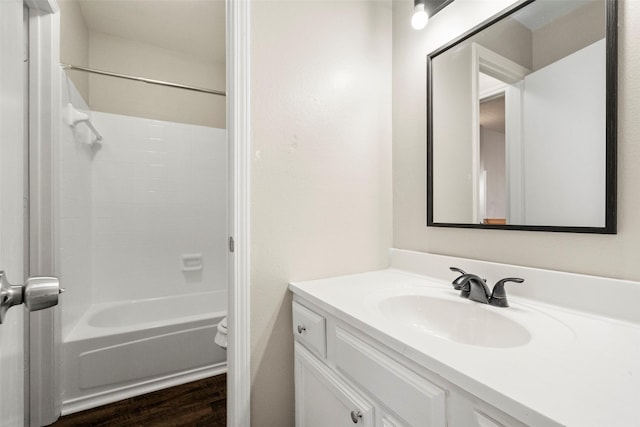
point(197, 404)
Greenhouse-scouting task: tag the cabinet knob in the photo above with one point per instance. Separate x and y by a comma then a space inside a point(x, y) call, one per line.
point(301, 329)
point(356, 416)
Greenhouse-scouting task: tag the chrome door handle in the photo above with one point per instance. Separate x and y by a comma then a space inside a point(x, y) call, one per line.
point(37, 293)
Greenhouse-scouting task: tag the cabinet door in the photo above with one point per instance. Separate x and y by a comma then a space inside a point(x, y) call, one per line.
point(323, 399)
point(466, 410)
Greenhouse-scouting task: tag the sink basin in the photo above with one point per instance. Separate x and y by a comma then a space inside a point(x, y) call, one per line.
point(461, 321)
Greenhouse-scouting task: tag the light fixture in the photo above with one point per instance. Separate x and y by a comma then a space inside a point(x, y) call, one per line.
point(420, 18)
point(423, 10)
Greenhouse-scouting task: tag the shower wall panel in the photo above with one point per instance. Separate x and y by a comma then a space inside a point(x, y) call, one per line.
point(74, 206)
point(159, 209)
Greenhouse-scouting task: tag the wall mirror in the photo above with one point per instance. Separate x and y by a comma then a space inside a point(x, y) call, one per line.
point(521, 120)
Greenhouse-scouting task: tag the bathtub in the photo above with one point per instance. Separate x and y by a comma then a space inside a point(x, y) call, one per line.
point(124, 349)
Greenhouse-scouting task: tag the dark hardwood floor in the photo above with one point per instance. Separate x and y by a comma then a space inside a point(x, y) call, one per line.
point(197, 404)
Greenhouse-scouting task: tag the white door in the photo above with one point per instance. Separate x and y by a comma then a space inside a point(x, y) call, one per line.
point(12, 169)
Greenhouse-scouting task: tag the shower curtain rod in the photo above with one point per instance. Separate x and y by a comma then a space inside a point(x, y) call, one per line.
point(142, 79)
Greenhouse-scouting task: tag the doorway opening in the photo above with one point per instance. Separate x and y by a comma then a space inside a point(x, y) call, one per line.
point(142, 190)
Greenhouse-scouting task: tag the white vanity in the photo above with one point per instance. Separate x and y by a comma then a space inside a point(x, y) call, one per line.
point(399, 347)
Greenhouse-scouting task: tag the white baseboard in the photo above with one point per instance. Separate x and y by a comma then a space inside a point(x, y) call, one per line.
point(142, 387)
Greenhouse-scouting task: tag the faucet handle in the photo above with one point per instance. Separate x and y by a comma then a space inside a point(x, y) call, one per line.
point(457, 283)
point(498, 295)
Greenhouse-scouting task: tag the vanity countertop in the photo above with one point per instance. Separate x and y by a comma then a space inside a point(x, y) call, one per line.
point(576, 369)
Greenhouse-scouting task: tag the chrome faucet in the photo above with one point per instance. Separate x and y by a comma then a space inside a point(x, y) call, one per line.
point(475, 288)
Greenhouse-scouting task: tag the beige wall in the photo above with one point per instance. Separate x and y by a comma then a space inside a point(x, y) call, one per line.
point(608, 255)
point(321, 185)
point(510, 39)
point(74, 43)
point(80, 46)
point(112, 95)
point(584, 26)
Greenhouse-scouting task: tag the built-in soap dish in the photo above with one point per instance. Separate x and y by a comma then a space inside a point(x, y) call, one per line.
point(191, 262)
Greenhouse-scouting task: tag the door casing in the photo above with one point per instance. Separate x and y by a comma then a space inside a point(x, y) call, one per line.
point(44, 340)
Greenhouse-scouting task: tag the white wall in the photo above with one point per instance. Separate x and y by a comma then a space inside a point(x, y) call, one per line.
point(453, 160)
point(606, 255)
point(74, 200)
point(159, 192)
point(563, 137)
point(321, 184)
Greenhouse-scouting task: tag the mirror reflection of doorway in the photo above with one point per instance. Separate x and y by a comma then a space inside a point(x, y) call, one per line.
point(492, 179)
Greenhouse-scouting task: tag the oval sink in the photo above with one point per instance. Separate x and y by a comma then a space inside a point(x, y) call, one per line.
point(462, 321)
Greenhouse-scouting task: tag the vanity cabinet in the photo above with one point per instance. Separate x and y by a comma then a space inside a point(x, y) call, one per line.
point(345, 377)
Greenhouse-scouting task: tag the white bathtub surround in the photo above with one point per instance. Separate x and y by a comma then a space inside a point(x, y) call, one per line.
point(584, 371)
point(159, 209)
point(107, 356)
point(143, 213)
point(143, 255)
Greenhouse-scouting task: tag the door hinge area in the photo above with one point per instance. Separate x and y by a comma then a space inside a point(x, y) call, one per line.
point(232, 244)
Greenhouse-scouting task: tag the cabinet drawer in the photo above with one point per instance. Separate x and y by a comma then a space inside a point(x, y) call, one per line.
point(409, 396)
point(309, 329)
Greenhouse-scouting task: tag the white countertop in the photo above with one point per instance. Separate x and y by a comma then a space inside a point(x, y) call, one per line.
point(578, 369)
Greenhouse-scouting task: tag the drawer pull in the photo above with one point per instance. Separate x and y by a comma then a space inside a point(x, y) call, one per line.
point(356, 416)
point(301, 329)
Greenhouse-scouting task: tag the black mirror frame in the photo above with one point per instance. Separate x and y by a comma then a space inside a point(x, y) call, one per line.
point(611, 128)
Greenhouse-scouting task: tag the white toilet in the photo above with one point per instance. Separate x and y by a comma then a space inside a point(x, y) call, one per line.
point(221, 335)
